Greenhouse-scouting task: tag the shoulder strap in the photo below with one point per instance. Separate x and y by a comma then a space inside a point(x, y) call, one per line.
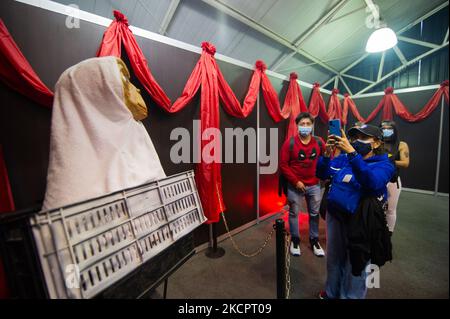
point(291, 143)
point(319, 141)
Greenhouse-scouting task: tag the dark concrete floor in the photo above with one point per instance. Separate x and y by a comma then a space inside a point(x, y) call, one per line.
point(420, 268)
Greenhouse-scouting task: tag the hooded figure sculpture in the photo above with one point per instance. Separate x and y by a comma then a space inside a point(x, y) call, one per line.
point(98, 145)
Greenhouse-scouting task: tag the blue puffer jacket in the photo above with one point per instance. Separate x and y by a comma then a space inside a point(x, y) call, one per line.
point(354, 179)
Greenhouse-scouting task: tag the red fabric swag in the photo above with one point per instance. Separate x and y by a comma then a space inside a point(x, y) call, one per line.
point(348, 103)
point(118, 33)
point(295, 102)
point(391, 102)
point(229, 100)
point(317, 104)
point(17, 73)
point(334, 106)
point(432, 104)
point(271, 97)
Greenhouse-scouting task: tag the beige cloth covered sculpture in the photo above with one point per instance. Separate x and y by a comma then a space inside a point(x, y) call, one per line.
point(96, 146)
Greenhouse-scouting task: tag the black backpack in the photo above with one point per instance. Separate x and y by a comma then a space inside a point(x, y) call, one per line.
point(282, 181)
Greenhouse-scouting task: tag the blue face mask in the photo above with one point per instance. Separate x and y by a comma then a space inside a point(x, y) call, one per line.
point(388, 132)
point(362, 147)
point(304, 130)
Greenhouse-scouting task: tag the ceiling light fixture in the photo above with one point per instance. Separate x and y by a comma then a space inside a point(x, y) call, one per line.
point(383, 38)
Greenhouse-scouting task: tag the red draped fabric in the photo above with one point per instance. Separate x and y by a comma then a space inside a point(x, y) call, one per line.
point(6, 205)
point(317, 104)
point(444, 88)
point(229, 100)
point(295, 102)
point(432, 104)
point(391, 103)
point(17, 73)
point(348, 103)
point(334, 106)
point(118, 33)
point(271, 97)
point(208, 173)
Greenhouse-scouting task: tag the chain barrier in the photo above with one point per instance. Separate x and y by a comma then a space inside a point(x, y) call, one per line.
point(239, 250)
point(287, 242)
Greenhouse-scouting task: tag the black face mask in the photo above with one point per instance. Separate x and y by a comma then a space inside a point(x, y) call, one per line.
point(362, 148)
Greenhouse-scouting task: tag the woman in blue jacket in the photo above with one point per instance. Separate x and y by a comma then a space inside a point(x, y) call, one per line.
point(360, 171)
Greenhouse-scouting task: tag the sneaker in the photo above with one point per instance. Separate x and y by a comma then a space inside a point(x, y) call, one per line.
point(295, 249)
point(323, 295)
point(317, 249)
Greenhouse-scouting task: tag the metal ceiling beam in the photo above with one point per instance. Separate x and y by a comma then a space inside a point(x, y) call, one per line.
point(400, 68)
point(345, 85)
point(446, 37)
point(381, 66)
point(347, 14)
point(219, 5)
point(330, 14)
point(329, 81)
point(351, 65)
point(336, 81)
point(418, 42)
point(396, 49)
point(400, 55)
point(357, 78)
point(276, 65)
point(324, 20)
point(168, 16)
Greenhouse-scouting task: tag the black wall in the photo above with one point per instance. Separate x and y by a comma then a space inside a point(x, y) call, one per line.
point(422, 139)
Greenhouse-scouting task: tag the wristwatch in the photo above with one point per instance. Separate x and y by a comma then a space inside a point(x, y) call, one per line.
point(352, 155)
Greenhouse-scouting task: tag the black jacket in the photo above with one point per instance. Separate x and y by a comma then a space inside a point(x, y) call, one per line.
point(368, 236)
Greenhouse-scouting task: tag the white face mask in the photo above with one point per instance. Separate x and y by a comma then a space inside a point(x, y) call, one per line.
point(305, 130)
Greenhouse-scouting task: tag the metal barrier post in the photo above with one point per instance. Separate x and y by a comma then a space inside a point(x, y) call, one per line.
point(281, 258)
point(214, 251)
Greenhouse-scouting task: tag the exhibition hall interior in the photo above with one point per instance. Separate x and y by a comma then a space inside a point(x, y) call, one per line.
point(224, 149)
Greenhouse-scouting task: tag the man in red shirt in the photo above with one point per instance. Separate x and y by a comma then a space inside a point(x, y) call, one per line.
point(298, 161)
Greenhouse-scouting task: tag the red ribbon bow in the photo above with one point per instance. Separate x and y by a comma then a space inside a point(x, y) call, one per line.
point(293, 76)
point(120, 17)
point(444, 83)
point(389, 90)
point(209, 48)
point(260, 65)
point(334, 91)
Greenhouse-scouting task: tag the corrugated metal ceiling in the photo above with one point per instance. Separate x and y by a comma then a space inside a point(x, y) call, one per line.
point(338, 42)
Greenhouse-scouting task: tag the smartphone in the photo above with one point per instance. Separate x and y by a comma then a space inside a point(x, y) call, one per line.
point(335, 127)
